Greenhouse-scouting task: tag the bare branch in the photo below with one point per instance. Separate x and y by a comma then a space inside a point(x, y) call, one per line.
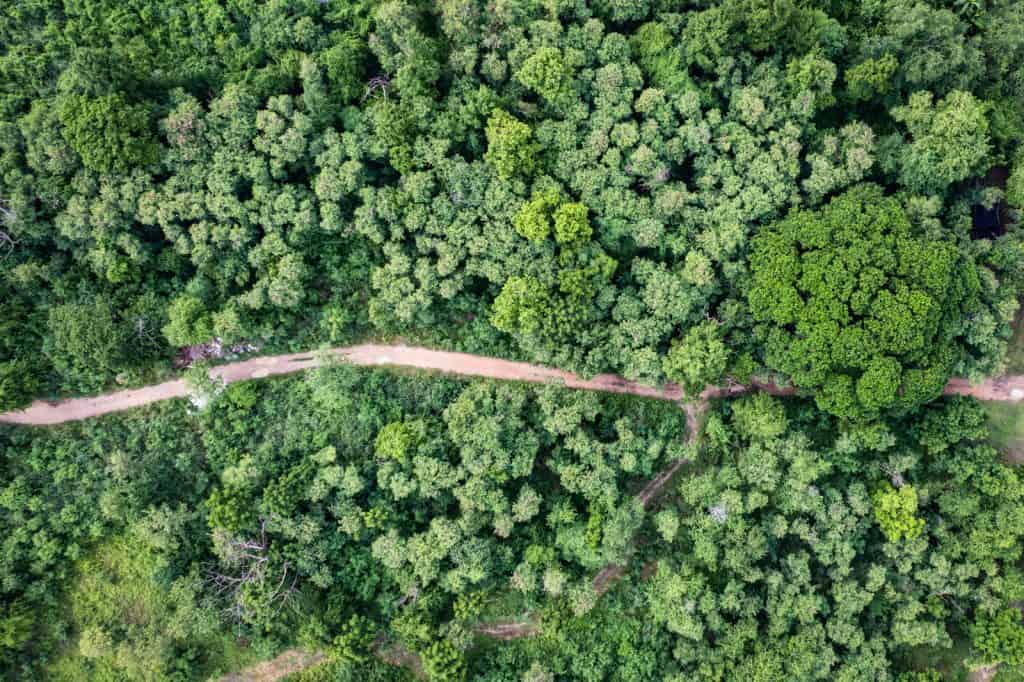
point(381, 83)
point(7, 243)
point(247, 562)
point(7, 217)
point(7, 214)
point(894, 474)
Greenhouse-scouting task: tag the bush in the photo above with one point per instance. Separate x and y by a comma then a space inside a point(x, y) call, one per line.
point(109, 134)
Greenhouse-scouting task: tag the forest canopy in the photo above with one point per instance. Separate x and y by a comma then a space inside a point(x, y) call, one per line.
point(390, 500)
point(580, 184)
point(822, 196)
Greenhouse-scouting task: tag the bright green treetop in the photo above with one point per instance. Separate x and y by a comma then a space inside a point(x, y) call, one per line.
point(895, 510)
point(509, 148)
point(853, 304)
point(107, 132)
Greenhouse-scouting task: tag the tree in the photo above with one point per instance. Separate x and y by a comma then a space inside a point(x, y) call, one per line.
point(930, 45)
point(759, 417)
point(777, 567)
point(533, 219)
point(19, 383)
point(852, 303)
point(871, 77)
point(845, 157)
point(520, 307)
point(948, 140)
point(698, 359)
point(345, 62)
point(203, 388)
point(16, 625)
point(87, 339)
point(443, 663)
point(354, 642)
point(895, 510)
point(999, 637)
point(920, 676)
point(509, 149)
point(188, 322)
point(1015, 184)
point(544, 72)
point(107, 132)
point(666, 522)
point(655, 47)
point(571, 224)
point(398, 440)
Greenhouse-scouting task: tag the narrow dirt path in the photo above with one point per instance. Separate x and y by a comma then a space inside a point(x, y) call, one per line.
point(513, 629)
point(44, 413)
point(286, 663)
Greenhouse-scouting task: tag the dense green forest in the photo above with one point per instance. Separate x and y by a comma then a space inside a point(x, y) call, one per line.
point(353, 511)
point(826, 193)
point(332, 507)
point(680, 190)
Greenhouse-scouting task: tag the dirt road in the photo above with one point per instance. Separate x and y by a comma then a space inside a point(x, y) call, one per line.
point(44, 413)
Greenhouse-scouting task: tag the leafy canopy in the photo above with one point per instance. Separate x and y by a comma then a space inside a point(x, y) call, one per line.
point(852, 303)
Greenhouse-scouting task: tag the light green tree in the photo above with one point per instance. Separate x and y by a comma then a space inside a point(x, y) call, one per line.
point(509, 147)
point(948, 140)
point(189, 322)
point(999, 637)
point(699, 358)
point(895, 511)
point(544, 72)
point(109, 134)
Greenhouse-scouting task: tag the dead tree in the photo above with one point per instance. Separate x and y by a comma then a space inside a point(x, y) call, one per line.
point(246, 562)
point(894, 474)
point(377, 84)
point(7, 217)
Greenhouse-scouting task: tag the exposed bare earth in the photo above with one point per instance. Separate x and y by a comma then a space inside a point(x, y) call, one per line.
point(1003, 389)
point(287, 662)
point(44, 413)
point(397, 655)
point(985, 674)
point(508, 629)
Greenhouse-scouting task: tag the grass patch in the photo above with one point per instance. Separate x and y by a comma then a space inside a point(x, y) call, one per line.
point(334, 671)
point(1015, 349)
point(506, 605)
point(1010, 673)
point(1006, 429)
point(128, 619)
point(947, 661)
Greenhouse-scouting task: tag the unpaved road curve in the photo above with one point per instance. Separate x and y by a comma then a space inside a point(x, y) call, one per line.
point(43, 413)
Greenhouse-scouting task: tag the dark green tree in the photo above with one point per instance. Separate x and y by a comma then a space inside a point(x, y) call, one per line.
point(107, 132)
point(853, 303)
